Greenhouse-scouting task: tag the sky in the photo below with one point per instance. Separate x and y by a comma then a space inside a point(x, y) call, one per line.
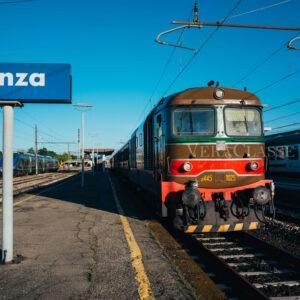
point(116, 64)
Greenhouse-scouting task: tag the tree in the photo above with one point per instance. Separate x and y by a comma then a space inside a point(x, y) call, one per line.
point(30, 150)
point(43, 151)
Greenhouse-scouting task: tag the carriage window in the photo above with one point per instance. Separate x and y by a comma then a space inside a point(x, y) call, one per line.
point(280, 153)
point(243, 122)
point(194, 121)
point(293, 153)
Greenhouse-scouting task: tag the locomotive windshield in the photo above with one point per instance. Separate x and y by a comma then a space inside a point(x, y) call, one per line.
point(194, 121)
point(243, 122)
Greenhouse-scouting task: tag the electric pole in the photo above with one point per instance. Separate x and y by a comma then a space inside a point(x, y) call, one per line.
point(82, 107)
point(36, 151)
point(78, 142)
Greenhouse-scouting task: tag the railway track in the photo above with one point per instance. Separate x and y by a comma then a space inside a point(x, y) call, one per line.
point(246, 267)
point(26, 183)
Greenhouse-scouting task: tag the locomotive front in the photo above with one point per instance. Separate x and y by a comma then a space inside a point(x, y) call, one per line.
point(214, 180)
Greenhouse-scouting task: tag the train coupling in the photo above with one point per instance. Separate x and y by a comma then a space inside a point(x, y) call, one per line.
point(191, 207)
point(221, 205)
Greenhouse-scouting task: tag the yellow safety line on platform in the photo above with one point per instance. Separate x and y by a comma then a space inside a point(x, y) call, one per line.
point(141, 277)
point(41, 192)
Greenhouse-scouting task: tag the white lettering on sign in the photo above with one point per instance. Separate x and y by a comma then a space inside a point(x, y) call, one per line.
point(22, 79)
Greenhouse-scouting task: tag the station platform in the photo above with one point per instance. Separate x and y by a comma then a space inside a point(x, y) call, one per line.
point(86, 243)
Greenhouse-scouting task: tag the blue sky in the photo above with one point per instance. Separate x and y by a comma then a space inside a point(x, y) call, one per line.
point(116, 63)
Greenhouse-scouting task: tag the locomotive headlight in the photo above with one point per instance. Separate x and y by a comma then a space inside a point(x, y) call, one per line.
point(219, 93)
point(253, 166)
point(187, 167)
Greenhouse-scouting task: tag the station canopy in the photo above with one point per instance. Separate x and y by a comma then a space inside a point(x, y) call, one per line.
point(100, 151)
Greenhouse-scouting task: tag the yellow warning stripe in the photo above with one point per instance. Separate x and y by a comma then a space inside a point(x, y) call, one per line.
point(141, 277)
point(222, 228)
point(253, 225)
point(238, 227)
point(191, 229)
point(207, 228)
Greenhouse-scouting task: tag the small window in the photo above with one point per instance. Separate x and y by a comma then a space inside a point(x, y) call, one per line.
point(141, 141)
point(293, 153)
point(280, 153)
point(158, 127)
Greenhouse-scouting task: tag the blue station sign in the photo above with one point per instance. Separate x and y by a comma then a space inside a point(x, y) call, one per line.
point(35, 83)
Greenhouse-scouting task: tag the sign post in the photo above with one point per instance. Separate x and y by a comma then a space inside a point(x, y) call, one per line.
point(19, 84)
point(7, 175)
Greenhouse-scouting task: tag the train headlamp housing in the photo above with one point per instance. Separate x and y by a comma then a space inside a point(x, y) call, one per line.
point(219, 93)
point(252, 166)
point(187, 166)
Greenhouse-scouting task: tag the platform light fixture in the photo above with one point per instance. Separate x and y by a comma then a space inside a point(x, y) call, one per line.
point(82, 107)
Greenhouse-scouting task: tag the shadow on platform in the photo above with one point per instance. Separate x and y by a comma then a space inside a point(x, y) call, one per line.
point(96, 194)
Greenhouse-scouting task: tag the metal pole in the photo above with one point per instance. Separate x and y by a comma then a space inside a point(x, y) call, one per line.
point(36, 151)
point(82, 149)
point(93, 157)
point(68, 151)
point(78, 141)
point(7, 205)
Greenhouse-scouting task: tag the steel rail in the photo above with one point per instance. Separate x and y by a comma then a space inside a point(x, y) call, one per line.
point(237, 282)
point(263, 248)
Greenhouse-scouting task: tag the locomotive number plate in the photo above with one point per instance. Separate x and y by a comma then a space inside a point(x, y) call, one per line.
point(207, 178)
point(230, 177)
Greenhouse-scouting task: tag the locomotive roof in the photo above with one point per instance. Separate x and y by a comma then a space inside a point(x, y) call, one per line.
point(283, 138)
point(205, 96)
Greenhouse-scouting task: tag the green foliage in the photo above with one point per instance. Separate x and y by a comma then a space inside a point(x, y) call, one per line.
point(44, 151)
point(30, 150)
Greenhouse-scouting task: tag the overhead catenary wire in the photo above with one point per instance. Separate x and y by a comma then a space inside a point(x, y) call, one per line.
point(276, 82)
point(16, 2)
point(199, 49)
point(259, 65)
point(41, 132)
point(262, 63)
point(45, 126)
point(288, 125)
point(282, 105)
point(282, 117)
point(149, 102)
point(259, 9)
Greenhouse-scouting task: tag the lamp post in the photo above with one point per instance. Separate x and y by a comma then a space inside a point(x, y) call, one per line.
point(83, 107)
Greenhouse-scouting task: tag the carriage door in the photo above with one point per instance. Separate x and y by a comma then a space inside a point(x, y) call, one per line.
point(158, 143)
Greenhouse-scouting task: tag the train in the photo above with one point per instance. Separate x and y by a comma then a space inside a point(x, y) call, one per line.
point(24, 164)
point(283, 153)
point(200, 153)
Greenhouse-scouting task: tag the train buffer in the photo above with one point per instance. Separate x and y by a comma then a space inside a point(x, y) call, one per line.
point(91, 242)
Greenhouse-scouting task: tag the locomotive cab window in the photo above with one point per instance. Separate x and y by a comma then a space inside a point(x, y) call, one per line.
point(194, 121)
point(243, 121)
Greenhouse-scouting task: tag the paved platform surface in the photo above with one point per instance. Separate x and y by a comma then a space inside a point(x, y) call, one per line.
point(75, 247)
